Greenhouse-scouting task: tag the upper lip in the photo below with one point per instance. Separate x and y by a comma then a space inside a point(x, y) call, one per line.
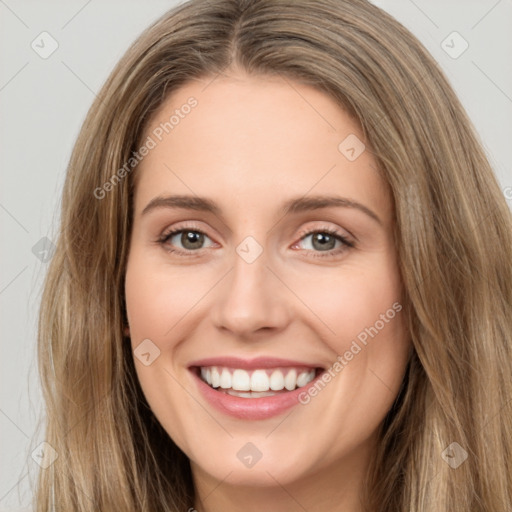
point(251, 364)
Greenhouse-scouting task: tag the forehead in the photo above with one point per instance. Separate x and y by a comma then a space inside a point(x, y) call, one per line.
point(255, 141)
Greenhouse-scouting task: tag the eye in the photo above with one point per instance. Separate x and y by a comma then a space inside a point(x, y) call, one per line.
point(190, 238)
point(324, 242)
point(327, 241)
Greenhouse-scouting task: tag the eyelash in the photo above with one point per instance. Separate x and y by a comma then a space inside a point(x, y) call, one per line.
point(347, 244)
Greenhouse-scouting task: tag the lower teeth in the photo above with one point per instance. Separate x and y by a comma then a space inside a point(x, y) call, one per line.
point(248, 394)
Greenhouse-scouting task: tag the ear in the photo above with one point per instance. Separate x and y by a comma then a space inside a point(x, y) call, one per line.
point(126, 331)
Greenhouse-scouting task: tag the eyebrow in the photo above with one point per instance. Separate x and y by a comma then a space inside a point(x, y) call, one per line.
point(294, 205)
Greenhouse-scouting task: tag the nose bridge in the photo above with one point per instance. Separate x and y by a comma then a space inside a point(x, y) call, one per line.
point(251, 298)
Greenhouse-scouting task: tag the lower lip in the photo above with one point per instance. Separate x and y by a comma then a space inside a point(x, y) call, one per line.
point(251, 408)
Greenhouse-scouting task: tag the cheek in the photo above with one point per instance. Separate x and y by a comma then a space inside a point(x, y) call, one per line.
point(158, 298)
point(360, 312)
point(355, 302)
point(359, 309)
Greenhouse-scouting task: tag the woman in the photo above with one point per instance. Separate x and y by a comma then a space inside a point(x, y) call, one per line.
point(283, 277)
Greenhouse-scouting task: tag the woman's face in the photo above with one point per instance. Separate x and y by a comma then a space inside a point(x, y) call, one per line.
point(282, 269)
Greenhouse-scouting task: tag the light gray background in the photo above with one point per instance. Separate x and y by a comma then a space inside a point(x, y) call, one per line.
point(44, 101)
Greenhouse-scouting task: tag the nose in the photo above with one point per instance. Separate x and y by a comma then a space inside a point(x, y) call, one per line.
point(251, 300)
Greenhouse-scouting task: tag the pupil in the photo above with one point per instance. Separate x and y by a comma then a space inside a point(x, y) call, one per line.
point(323, 239)
point(192, 240)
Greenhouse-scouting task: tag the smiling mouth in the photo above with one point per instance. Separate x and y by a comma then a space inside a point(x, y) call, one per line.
point(257, 383)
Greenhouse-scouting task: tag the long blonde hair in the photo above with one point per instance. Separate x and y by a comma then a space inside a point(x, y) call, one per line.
point(453, 238)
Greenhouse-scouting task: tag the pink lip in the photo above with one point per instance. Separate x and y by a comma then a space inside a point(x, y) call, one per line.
point(251, 364)
point(249, 408)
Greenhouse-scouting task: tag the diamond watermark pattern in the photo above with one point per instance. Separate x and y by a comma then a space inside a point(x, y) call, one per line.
point(249, 455)
point(249, 249)
point(351, 147)
point(454, 455)
point(146, 352)
point(44, 455)
point(44, 45)
point(454, 45)
point(44, 249)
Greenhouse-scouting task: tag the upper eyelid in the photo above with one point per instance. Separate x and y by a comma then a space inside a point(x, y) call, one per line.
point(303, 218)
point(302, 231)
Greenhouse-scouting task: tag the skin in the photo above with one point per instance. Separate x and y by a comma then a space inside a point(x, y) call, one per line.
point(250, 144)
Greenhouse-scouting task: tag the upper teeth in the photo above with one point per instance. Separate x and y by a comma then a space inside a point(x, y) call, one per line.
point(257, 380)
